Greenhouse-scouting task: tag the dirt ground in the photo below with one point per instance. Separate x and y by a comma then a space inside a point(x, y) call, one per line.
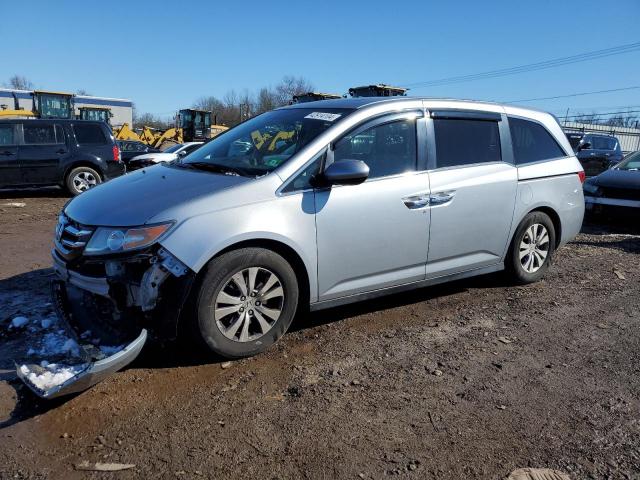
point(467, 380)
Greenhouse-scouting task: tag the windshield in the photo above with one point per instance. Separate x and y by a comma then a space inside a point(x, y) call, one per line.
point(632, 162)
point(173, 149)
point(260, 145)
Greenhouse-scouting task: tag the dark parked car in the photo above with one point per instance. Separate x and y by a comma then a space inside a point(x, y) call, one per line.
point(617, 187)
point(75, 154)
point(133, 148)
point(574, 139)
point(598, 153)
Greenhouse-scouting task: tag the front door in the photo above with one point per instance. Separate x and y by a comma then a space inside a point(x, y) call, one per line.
point(376, 234)
point(472, 192)
point(42, 152)
point(9, 164)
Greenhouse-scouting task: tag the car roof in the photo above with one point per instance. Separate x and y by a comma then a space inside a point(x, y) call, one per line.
point(363, 102)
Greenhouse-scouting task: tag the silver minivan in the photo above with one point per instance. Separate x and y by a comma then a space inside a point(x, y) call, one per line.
point(310, 206)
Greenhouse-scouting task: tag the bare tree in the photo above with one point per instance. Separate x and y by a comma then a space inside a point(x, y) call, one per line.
point(19, 82)
point(290, 86)
point(149, 120)
point(235, 107)
point(82, 91)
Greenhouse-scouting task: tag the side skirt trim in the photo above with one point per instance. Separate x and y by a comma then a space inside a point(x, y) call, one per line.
point(403, 288)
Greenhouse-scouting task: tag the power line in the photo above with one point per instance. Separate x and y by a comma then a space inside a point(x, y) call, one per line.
point(598, 114)
point(574, 94)
point(601, 107)
point(582, 57)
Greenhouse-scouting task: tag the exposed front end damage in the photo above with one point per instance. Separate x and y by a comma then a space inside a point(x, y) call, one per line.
point(109, 300)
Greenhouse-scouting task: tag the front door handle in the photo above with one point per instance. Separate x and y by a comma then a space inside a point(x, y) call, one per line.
point(6, 152)
point(416, 201)
point(440, 198)
point(61, 151)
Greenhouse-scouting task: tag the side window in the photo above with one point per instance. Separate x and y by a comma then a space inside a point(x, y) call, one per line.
point(465, 142)
point(89, 134)
point(303, 180)
point(191, 148)
point(139, 147)
point(39, 134)
point(532, 142)
point(7, 134)
point(388, 149)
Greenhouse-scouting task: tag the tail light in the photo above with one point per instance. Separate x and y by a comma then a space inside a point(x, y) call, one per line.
point(582, 176)
point(116, 153)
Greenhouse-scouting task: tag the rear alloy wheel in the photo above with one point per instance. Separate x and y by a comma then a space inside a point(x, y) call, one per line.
point(81, 179)
point(532, 248)
point(246, 301)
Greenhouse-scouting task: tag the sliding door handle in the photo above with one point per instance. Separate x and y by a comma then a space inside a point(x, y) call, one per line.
point(440, 198)
point(416, 201)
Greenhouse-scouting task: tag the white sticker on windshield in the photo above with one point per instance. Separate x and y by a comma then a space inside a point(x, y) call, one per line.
point(329, 117)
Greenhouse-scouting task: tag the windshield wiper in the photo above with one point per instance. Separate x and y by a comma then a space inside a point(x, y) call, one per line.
point(213, 167)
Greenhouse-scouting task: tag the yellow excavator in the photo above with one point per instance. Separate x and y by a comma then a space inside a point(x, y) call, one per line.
point(45, 105)
point(95, 113)
point(191, 125)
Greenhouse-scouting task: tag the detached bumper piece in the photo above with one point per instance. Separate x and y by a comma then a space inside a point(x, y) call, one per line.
point(108, 302)
point(82, 376)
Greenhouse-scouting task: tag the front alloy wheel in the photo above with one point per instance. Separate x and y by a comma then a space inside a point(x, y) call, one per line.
point(249, 304)
point(244, 302)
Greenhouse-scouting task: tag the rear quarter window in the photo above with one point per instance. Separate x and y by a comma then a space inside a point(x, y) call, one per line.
point(89, 134)
point(532, 142)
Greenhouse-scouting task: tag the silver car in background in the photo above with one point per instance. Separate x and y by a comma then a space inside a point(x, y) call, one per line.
point(311, 206)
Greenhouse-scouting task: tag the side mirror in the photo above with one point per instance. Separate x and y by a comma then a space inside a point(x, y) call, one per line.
point(346, 172)
point(584, 146)
point(182, 153)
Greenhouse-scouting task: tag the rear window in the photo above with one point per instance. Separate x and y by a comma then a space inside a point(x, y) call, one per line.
point(465, 142)
point(89, 134)
point(7, 135)
point(35, 134)
point(532, 142)
point(602, 143)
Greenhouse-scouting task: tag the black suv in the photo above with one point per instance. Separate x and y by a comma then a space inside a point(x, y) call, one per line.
point(597, 153)
point(76, 154)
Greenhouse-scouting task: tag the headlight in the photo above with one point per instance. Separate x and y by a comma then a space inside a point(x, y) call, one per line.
point(591, 188)
point(114, 240)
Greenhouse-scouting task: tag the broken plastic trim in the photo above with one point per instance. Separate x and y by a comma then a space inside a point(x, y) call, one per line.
point(94, 372)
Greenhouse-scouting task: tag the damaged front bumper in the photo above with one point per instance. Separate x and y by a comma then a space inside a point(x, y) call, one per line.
point(111, 301)
point(88, 374)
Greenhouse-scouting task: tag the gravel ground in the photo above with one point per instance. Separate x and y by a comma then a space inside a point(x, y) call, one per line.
point(467, 380)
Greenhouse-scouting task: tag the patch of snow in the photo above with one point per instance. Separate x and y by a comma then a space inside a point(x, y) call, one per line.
point(46, 322)
point(14, 204)
point(55, 343)
point(52, 374)
point(19, 322)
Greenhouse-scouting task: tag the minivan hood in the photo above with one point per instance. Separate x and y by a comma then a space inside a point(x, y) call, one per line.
point(136, 197)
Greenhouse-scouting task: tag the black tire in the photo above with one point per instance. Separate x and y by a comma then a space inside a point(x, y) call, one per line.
point(513, 262)
point(216, 277)
point(89, 173)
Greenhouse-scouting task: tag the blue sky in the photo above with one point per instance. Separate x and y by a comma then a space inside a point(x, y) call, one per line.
point(165, 58)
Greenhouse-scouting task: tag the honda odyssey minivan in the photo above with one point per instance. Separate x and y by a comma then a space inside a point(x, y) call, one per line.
point(310, 206)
